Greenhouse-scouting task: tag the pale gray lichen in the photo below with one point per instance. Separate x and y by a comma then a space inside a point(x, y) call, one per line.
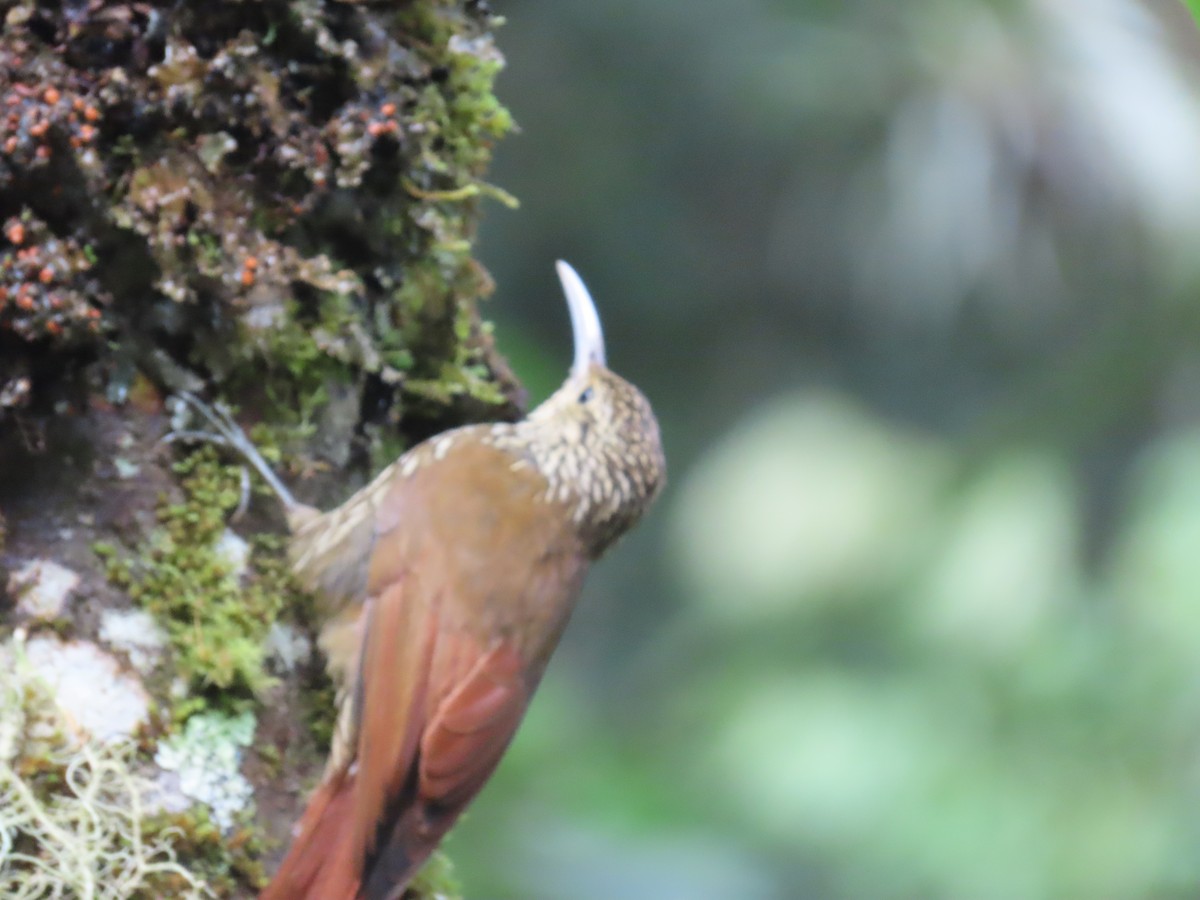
point(42, 588)
point(79, 833)
point(234, 552)
point(203, 763)
point(135, 633)
point(287, 647)
point(93, 696)
point(126, 468)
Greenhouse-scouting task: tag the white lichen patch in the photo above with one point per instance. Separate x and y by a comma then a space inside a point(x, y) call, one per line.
point(287, 647)
point(42, 588)
point(81, 836)
point(203, 765)
point(126, 468)
point(94, 697)
point(233, 552)
point(135, 633)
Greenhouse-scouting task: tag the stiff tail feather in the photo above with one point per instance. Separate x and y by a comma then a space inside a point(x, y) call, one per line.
point(322, 863)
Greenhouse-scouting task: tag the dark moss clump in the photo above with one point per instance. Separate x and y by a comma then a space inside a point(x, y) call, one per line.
point(240, 172)
point(46, 287)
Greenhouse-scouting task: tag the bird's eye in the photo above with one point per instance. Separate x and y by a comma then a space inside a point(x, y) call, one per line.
point(586, 395)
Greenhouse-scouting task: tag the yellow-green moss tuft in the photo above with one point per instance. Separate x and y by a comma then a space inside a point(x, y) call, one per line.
point(215, 616)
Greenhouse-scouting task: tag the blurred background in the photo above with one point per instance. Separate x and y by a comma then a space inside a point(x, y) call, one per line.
point(915, 289)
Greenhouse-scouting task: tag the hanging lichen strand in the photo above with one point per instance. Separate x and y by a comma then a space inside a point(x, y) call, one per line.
point(230, 189)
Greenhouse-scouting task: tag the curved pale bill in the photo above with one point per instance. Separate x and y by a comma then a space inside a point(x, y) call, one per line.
point(585, 321)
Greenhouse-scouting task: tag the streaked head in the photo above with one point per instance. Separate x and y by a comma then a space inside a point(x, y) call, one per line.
point(597, 439)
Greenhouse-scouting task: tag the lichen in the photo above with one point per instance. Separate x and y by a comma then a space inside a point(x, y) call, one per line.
point(94, 698)
point(135, 633)
point(206, 759)
point(287, 647)
point(73, 813)
point(42, 588)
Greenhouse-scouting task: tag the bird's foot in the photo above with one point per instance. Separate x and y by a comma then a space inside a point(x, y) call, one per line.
point(223, 431)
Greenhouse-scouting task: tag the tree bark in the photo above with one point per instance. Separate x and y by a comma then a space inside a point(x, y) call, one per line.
point(271, 203)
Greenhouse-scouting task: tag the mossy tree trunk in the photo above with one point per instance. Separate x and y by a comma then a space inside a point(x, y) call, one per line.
point(272, 203)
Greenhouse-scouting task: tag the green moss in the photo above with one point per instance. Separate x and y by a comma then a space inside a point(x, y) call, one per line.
point(289, 369)
point(463, 107)
point(217, 624)
point(458, 121)
point(227, 863)
point(303, 359)
point(216, 621)
point(320, 709)
point(116, 567)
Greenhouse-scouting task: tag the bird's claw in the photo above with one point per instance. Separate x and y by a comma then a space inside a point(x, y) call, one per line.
point(225, 432)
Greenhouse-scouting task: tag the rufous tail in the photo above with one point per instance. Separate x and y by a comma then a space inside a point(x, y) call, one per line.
point(322, 863)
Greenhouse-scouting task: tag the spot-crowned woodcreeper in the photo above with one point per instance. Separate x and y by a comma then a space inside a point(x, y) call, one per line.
point(445, 584)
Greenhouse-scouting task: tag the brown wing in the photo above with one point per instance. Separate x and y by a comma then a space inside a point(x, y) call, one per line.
point(472, 726)
point(474, 574)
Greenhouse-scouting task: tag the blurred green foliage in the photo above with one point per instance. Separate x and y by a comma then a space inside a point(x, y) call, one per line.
point(915, 289)
point(1194, 6)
